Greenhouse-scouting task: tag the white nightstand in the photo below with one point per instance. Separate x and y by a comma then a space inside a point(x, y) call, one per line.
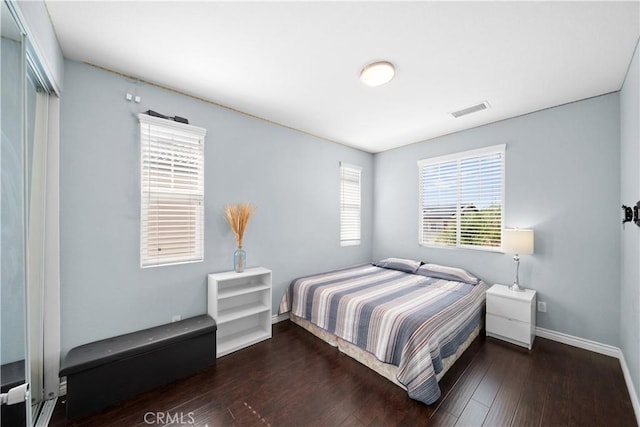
point(511, 315)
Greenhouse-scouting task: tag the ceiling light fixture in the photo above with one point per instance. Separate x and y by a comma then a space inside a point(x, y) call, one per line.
point(377, 73)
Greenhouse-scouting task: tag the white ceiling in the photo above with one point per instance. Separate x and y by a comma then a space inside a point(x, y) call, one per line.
point(297, 64)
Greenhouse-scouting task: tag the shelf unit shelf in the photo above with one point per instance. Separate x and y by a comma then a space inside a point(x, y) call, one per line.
point(240, 303)
point(235, 313)
point(241, 290)
point(233, 342)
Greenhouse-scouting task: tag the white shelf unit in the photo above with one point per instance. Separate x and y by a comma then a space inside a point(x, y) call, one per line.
point(240, 303)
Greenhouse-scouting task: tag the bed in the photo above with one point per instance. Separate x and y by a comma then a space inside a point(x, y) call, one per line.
point(406, 320)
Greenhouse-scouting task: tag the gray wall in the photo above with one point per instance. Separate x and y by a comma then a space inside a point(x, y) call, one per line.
point(561, 180)
point(630, 194)
point(292, 178)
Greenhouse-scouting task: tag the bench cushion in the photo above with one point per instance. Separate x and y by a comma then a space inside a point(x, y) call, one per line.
point(121, 347)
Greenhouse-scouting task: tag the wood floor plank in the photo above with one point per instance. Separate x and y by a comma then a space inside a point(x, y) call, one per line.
point(456, 371)
point(351, 421)
point(557, 407)
point(456, 400)
point(296, 379)
point(473, 415)
point(610, 389)
point(488, 387)
point(506, 400)
point(442, 419)
point(531, 404)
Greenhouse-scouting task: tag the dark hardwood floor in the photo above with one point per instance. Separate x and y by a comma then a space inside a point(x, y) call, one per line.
point(295, 379)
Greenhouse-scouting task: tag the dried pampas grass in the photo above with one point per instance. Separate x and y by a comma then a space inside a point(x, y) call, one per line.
point(238, 216)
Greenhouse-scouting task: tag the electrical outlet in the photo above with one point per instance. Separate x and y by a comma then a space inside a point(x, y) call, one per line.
point(542, 306)
point(175, 318)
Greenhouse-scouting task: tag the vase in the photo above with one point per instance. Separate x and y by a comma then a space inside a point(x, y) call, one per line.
point(239, 260)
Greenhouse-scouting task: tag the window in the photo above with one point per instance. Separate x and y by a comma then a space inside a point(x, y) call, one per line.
point(350, 204)
point(172, 192)
point(461, 199)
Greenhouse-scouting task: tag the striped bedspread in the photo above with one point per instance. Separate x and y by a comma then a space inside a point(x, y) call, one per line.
point(407, 320)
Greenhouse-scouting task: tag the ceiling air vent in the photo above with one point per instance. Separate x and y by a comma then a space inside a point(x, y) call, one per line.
point(473, 109)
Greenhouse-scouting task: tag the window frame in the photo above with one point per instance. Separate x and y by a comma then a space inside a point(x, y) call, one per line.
point(458, 158)
point(174, 129)
point(351, 169)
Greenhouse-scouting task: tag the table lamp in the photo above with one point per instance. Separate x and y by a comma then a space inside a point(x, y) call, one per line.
point(517, 242)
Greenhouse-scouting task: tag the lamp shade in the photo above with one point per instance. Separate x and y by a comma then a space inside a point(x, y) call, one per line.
point(516, 241)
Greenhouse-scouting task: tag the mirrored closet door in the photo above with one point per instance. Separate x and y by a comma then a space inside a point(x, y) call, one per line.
point(14, 360)
point(23, 157)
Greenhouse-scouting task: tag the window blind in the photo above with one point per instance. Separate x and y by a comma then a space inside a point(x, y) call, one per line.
point(172, 192)
point(350, 204)
point(461, 199)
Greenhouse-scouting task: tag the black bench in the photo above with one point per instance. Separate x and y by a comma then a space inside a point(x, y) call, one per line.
point(109, 371)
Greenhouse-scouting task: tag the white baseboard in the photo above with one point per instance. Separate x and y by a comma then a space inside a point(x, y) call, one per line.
point(277, 318)
point(597, 347)
point(594, 346)
point(632, 390)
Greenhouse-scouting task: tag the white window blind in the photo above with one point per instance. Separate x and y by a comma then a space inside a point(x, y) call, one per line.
point(350, 204)
point(461, 199)
point(172, 192)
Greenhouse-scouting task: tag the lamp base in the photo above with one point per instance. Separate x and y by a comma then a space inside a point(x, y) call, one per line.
point(516, 288)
